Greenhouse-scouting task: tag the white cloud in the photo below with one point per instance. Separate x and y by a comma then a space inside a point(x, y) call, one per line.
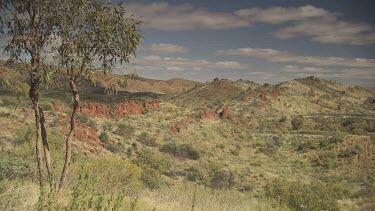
point(164, 48)
point(284, 56)
point(330, 30)
point(180, 64)
point(277, 15)
point(302, 69)
point(365, 73)
point(318, 24)
point(163, 16)
point(175, 68)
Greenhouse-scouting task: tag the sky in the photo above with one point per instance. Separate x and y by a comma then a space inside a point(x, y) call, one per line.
point(266, 41)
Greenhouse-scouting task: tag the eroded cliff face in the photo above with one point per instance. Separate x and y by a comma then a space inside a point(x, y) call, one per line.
point(86, 139)
point(98, 110)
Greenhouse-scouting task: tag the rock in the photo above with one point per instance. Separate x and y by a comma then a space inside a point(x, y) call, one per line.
point(95, 110)
point(129, 108)
point(152, 104)
point(224, 114)
point(57, 107)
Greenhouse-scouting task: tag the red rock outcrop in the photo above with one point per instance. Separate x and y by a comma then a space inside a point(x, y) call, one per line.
point(221, 112)
point(88, 135)
point(177, 128)
point(99, 110)
point(95, 110)
point(207, 114)
point(129, 108)
point(57, 107)
point(85, 138)
point(224, 114)
point(151, 104)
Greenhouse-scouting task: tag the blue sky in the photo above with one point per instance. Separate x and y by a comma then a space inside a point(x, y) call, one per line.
point(263, 41)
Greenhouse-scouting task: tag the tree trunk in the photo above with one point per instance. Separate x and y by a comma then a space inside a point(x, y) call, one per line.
point(34, 97)
point(46, 146)
point(69, 138)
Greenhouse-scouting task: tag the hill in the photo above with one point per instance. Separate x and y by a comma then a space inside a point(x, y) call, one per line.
point(171, 145)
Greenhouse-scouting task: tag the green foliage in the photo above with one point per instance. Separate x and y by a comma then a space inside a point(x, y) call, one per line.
point(109, 34)
point(270, 147)
point(297, 122)
point(83, 117)
point(116, 147)
point(195, 174)
point(108, 175)
point(19, 90)
point(104, 137)
point(300, 196)
point(146, 139)
point(12, 167)
point(224, 178)
point(151, 178)
point(24, 135)
point(181, 150)
point(46, 106)
point(327, 160)
point(147, 158)
point(125, 130)
point(91, 123)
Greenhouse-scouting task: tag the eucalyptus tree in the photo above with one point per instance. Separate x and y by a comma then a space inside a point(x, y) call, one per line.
point(29, 27)
point(95, 35)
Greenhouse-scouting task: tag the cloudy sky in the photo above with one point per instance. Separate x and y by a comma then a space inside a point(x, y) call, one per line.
point(263, 41)
point(260, 40)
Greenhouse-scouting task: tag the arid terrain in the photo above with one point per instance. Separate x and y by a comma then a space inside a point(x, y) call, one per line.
point(304, 144)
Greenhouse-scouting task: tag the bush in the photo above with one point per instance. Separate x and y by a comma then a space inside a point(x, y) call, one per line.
point(108, 175)
point(83, 117)
point(195, 174)
point(327, 160)
point(147, 158)
point(125, 130)
point(183, 150)
point(146, 139)
point(46, 106)
point(115, 147)
point(224, 178)
point(104, 137)
point(151, 178)
point(299, 196)
point(297, 122)
point(23, 135)
point(92, 124)
point(13, 167)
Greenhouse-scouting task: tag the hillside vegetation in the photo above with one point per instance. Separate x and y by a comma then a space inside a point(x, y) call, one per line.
point(305, 144)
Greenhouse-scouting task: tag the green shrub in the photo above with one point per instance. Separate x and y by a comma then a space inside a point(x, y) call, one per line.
point(23, 135)
point(125, 130)
point(13, 167)
point(115, 147)
point(297, 122)
point(224, 178)
point(104, 137)
point(147, 158)
point(326, 159)
point(108, 175)
point(300, 196)
point(195, 174)
point(146, 139)
point(183, 150)
point(83, 117)
point(46, 106)
point(151, 178)
point(91, 123)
